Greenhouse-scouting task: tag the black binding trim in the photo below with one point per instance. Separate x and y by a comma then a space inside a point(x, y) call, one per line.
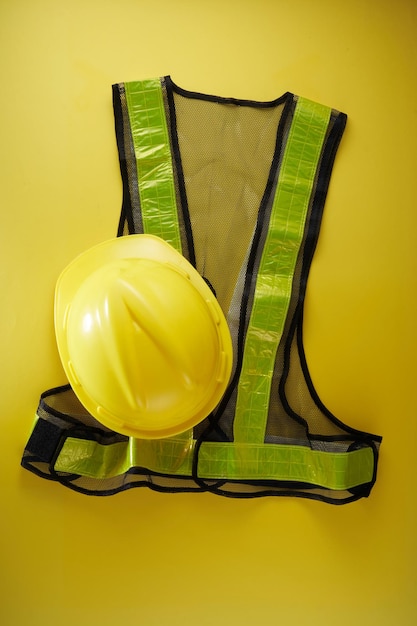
point(196, 95)
point(311, 243)
point(180, 172)
point(44, 441)
point(126, 214)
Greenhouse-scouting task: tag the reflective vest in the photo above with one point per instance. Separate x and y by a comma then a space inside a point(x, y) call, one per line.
point(238, 187)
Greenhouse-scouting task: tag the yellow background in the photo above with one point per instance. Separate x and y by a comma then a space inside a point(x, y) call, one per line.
point(143, 558)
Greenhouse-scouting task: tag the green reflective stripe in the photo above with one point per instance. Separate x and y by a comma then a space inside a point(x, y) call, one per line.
point(89, 458)
point(153, 160)
point(276, 271)
point(332, 470)
point(154, 169)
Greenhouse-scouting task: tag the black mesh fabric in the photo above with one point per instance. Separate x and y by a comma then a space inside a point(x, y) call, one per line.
point(226, 162)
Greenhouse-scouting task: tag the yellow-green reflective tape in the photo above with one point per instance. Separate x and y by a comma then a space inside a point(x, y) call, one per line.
point(332, 470)
point(274, 280)
point(149, 129)
point(155, 173)
point(89, 458)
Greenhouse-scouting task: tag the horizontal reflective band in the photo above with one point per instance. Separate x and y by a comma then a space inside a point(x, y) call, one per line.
point(275, 276)
point(155, 174)
point(332, 470)
point(89, 458)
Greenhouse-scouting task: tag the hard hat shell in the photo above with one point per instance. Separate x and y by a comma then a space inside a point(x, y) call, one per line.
point(141, 336)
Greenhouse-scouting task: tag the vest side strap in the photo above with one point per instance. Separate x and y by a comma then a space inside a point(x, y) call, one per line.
point(332, 470)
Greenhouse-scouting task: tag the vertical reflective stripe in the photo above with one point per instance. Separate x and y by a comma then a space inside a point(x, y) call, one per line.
point(153, 160)
point(155, 174)
point(276, 271)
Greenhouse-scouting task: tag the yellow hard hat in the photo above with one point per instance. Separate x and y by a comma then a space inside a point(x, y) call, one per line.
point(141, 336)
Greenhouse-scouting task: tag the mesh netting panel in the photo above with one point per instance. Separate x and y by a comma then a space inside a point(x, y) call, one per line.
point(226, 154)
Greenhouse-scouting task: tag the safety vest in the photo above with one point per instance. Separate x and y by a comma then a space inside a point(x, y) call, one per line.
point(238, 187)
